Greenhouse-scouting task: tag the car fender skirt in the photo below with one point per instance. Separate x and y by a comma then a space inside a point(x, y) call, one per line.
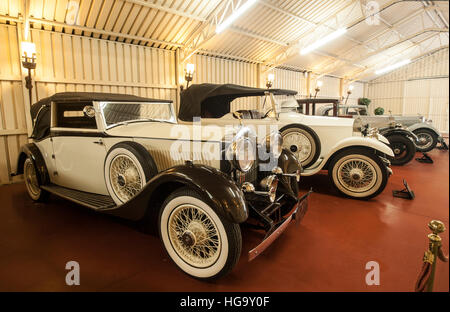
point(32, 151)
point(216, 188)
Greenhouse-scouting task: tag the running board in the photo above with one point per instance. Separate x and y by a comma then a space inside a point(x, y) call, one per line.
point(90, 200)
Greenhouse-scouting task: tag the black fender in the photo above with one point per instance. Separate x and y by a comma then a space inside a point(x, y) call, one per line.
point(216, 188)
point(289, 164)
point(392, 131)
point(32, 151)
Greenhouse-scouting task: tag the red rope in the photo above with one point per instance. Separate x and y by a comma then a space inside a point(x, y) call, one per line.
point(424, 277)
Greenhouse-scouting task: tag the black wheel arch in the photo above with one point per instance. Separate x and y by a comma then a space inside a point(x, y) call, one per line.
point(387, 132)
point(216, 188)
point(31, 151)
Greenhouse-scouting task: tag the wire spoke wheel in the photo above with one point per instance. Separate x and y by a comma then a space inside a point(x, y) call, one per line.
point(198, 240)
point(357, 175)
point(425, 140)
point(31, 179)
point(125, 177)
point(194, 236)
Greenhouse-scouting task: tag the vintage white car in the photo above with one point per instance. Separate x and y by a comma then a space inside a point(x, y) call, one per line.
point(427, 135)
point(358, 165)
point(127, 156)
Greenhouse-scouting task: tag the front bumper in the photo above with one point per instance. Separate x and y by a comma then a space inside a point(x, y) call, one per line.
point(275, 230)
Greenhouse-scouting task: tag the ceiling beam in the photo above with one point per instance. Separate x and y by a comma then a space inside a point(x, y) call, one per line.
point(415, 59)
point(383, 49)
point(165, 8)
point(417, 44)
point(380, 34)
point(206, 31)
point(93, 30)
point(255, 36)
point(287, 53)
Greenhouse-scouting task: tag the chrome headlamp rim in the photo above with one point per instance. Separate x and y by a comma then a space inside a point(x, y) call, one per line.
point(233, 156)
point(274, 143)
point(270, 184)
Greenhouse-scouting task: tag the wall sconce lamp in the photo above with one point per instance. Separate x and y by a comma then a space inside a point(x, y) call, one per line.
point(318, 86)
point(349, 91)
point(189, 73)
point(29, 62)
point(270, 80)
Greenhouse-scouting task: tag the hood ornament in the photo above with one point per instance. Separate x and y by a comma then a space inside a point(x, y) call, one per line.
point(238, 115)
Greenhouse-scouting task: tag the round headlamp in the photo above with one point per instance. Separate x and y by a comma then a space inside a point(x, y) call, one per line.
point(270, 184)
point(242, 154)
point(274, 144)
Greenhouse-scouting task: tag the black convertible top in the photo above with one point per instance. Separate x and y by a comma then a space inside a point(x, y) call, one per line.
point(42, 107)
point(216, 98)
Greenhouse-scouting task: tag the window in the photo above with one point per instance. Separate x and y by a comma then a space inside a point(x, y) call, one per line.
point(117, 113)
point(70, 115)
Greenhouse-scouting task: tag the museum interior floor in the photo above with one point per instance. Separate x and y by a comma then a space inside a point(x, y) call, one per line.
point(327, 251)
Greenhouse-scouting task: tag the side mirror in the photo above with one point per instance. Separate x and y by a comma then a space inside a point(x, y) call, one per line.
point(89, 111)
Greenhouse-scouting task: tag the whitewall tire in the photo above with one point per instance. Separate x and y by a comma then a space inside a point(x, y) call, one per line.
point(358, 173)
point(199, 241)
point(303, 142)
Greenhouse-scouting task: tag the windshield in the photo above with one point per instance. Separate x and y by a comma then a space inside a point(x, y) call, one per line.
point(115, 113)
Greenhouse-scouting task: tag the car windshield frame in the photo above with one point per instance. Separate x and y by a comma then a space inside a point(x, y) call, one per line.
point(171, 120)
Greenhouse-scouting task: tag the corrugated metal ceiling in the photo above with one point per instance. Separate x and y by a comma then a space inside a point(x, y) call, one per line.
point(268, 29)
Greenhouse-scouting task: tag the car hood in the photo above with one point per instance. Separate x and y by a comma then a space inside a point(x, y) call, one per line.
point(317, 120)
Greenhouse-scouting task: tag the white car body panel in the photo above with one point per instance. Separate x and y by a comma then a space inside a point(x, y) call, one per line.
point(153, 136)
point(83, 175)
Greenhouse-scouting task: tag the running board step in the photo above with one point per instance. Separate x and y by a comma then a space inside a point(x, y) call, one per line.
point(90, 200)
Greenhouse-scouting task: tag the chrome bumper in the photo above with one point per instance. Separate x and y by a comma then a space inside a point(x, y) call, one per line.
point(297, 213)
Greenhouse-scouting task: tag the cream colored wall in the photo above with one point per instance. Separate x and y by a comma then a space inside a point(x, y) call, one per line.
point(420, 87)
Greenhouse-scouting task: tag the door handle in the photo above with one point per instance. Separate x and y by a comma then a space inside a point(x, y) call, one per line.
point(99, 142)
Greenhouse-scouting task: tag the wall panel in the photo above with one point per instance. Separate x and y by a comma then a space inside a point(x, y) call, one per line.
point(287, 79)
point(418, 88)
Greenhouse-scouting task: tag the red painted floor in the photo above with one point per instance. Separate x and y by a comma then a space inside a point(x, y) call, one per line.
point(328, 251)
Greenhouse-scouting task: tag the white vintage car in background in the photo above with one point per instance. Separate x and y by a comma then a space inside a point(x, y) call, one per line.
point(427, 135)
point(127, 156)
point(358, 165)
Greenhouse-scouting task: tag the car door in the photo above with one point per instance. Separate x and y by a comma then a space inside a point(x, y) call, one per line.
point(79, 151)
